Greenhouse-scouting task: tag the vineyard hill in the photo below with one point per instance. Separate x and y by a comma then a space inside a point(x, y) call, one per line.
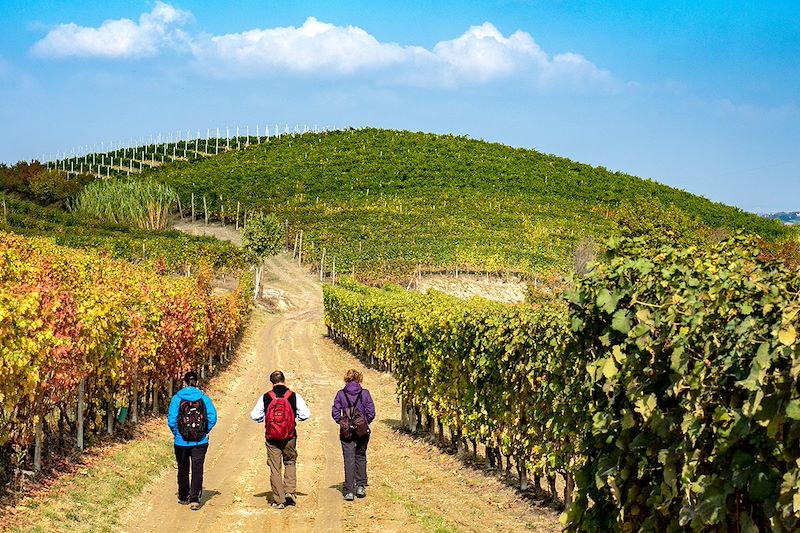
point(384, 203)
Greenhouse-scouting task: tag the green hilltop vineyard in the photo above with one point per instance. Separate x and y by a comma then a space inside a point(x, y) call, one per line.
point(384, 202)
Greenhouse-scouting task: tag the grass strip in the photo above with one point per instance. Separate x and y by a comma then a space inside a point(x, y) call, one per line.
point(93, 498)
point(426, 517)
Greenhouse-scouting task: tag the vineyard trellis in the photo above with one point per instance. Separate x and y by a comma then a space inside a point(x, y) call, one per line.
point(88, 343)
point(667, 383)
point(136, 158)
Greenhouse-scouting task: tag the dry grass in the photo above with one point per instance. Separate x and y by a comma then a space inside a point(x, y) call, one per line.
point(91, 498)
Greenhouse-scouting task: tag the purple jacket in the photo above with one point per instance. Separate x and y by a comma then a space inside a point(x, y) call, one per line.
point(366, 405)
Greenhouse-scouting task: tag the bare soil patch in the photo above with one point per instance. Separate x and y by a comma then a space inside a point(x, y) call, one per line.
point(467, 286)
point(223, 233)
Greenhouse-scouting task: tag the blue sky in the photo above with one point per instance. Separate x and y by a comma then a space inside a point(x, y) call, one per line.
point(703, 96)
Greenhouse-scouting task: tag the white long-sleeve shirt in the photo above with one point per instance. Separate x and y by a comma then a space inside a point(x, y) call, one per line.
point(303, 412)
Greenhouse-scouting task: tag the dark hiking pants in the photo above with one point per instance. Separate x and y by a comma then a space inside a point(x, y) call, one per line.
point(190, 457)
point(355, 463)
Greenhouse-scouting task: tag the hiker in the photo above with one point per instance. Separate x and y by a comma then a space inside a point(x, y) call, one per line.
point(353, 409)
point(191, 418)
point(279, 408)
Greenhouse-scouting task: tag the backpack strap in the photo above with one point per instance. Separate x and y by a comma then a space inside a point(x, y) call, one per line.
point(351, 407)
point(272, 396)
point(355, 403)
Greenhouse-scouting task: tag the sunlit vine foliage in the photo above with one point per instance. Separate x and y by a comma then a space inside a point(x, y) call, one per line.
point(669, 384)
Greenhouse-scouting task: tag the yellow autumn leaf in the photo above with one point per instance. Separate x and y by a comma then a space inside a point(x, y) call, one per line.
point(787, 335)
point(609, 368)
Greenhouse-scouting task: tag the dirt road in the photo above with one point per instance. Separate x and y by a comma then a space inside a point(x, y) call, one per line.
point(412, 485)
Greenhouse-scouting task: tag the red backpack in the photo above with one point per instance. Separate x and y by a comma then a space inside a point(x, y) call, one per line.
point(279, 419)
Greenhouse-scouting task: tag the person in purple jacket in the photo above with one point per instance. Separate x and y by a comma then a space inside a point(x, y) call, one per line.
point(354, 450)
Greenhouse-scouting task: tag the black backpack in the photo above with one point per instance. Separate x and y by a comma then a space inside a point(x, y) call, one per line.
point(353, 425)
point(192, 420)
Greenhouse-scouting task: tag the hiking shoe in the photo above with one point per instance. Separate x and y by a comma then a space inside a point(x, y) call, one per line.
point(349, 497)
point(183, 502)
point(194, 506)
point(361, 492)
point(291, 499)
point(276, 505)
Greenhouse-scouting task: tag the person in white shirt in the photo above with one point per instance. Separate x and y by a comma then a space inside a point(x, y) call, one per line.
point(279, 409)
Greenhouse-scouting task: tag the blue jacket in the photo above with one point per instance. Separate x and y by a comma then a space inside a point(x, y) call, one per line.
point(189, 393)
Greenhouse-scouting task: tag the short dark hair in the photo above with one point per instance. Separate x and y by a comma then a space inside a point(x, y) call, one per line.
point(190, 378)
point(277, 377)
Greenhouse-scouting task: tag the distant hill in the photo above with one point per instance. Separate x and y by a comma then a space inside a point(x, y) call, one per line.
point(791, 218)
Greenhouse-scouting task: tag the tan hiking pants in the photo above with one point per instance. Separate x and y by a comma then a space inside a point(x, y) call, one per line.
point(282, 455)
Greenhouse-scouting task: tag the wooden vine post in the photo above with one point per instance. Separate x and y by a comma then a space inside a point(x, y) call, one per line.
point(37, 450)
point(569, 488)
point(135, 399)
point(81, 394)
point(300, 249)
point(403, 413)
point(110, 417)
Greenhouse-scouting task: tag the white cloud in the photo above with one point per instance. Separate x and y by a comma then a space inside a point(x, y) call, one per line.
point(481, 55)
point(313, 47)
point(119, 38)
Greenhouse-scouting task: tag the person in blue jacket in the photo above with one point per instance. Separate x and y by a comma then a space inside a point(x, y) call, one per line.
point(191, 418)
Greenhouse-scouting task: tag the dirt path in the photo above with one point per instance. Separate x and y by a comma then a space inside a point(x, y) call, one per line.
point(412, 485)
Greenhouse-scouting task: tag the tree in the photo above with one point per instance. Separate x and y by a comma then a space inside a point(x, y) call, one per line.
point(262, 238)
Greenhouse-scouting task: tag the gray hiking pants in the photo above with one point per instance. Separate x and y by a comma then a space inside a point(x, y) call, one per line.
point(355, 463)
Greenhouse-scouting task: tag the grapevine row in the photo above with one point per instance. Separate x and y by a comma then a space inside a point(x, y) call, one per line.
point(80, 326)
point(667, 383)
